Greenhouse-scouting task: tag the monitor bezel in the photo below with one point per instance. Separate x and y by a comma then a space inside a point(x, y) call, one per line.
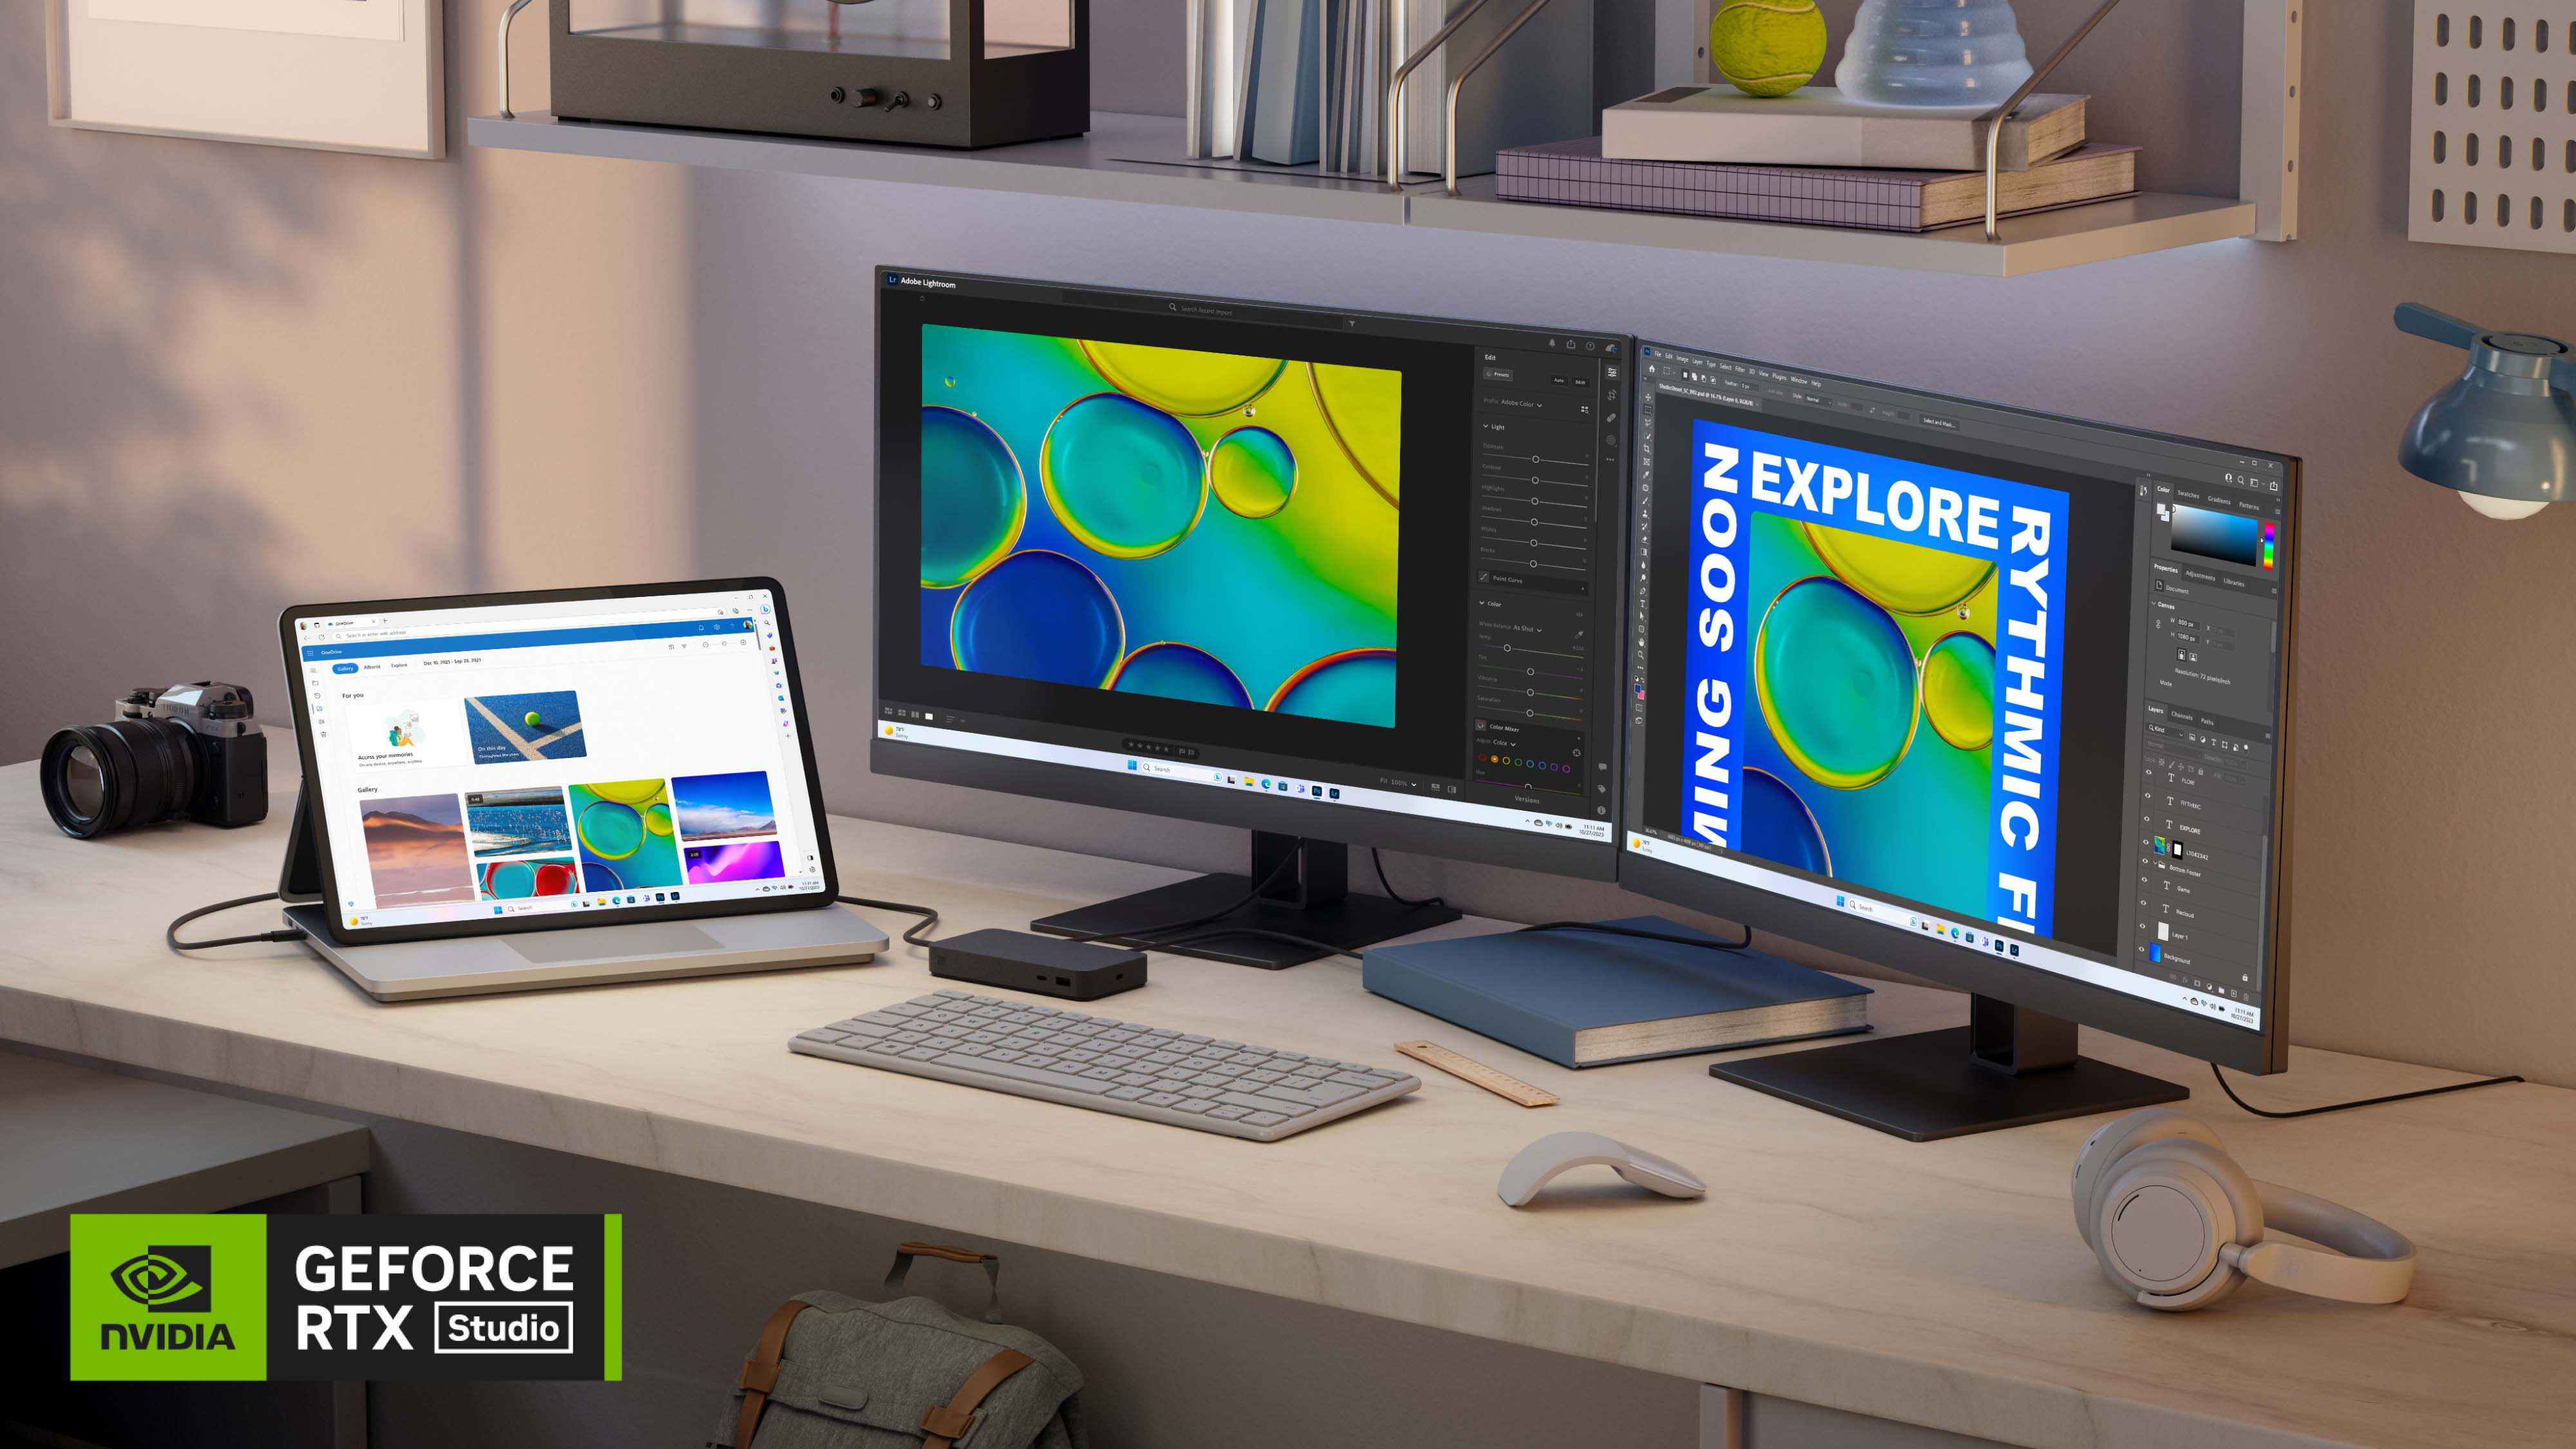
point(1449, 839)
point(318, 823)
point(2105, 1008)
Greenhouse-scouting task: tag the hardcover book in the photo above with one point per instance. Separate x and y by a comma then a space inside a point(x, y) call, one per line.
point(1575, 173)
point(1815, 126)
point(1588, 998)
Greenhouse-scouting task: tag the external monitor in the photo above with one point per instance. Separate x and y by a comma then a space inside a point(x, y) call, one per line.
point(567, 758)
point(1991, 697)
point(1335, 576)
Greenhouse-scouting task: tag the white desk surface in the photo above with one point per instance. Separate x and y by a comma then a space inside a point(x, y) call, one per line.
point(76, 1140)
point(1941, 1284)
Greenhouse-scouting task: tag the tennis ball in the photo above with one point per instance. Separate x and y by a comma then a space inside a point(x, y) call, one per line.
point(1767, 47)
point(534, 720)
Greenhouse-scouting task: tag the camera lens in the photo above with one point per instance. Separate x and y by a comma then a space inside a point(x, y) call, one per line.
point(107, 777)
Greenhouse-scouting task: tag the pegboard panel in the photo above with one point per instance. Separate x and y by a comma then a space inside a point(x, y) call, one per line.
point(2493, 139)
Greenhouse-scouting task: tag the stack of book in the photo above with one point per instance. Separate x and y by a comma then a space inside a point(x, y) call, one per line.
point(1812, 157)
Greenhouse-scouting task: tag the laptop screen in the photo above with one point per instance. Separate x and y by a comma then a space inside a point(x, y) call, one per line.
point(512, 759)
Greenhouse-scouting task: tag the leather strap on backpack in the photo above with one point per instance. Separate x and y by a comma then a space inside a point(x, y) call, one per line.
point(904, 1253)
point(760, 1371)
point(943, 1425)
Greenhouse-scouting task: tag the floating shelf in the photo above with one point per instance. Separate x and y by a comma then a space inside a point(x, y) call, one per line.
point(1099, 166)
point(1102, 166)
point(2149, 221)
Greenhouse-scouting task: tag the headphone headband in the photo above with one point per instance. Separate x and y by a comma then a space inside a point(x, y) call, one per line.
point(2369, 1261)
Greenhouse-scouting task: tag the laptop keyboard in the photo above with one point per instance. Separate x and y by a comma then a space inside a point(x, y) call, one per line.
point(1179, 1078)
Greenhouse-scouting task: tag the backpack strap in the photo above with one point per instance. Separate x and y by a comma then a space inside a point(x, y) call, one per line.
point(904, 1253)
point(944, 1424)
point(760, 1371)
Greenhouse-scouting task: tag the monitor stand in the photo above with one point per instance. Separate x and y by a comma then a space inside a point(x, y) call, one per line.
point(1310, 898)
point(2009, 1067)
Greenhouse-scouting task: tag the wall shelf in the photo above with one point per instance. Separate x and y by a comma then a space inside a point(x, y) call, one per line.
point(1099, 166)
point(2126, 227)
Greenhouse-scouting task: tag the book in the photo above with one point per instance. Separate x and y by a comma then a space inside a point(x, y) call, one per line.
point(1574, 173)
point(1815, 126)
point(1587, 999)
point(1283, 122)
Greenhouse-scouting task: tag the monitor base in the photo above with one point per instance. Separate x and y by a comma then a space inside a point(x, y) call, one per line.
point(1307, 899)
point(1934, 1084)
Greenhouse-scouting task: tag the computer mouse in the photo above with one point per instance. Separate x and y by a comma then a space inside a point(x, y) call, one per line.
point(1535, 1165)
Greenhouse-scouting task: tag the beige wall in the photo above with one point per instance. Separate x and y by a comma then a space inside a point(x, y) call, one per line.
point(234, 377)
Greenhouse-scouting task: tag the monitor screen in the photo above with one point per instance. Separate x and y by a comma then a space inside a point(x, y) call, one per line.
point(540, 759)
point(2007, 685)
point(1233, 552)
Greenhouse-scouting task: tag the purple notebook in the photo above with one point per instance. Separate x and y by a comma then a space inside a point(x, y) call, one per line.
point(1574, 173)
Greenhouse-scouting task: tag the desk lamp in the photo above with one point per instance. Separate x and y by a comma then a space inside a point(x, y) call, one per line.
point(2504, 432)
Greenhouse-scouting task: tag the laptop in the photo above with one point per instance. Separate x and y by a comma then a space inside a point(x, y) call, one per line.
point(559, 788)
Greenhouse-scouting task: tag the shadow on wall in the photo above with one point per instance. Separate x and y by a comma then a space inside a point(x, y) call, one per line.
point(104, 488)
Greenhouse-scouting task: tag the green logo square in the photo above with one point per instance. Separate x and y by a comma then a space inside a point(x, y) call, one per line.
point(169, 1296)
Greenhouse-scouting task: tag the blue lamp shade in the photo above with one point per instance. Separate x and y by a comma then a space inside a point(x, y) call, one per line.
point(2504, 432)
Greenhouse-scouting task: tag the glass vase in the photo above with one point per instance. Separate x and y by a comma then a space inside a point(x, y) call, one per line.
point(1932, 53)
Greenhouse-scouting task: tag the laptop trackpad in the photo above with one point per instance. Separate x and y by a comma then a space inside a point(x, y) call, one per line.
point(598, 943)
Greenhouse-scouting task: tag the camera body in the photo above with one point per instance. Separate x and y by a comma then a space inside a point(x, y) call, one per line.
point(189, 752)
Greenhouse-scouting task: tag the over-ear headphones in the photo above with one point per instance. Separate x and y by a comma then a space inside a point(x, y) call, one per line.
point(2178, 1224)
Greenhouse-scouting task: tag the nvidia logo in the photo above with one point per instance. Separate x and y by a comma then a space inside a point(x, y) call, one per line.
point(168, 1280)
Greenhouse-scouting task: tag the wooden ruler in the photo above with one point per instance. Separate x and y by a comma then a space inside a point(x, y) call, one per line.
point(1509, 1088)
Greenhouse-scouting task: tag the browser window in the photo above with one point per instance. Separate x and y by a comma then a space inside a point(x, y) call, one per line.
point(557, 757)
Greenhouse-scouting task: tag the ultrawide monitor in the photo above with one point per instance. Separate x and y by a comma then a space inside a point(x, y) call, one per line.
point(1320, 573)
point(1992, 697)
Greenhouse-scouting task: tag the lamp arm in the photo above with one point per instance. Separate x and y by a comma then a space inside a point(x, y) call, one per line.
point(2423, 321)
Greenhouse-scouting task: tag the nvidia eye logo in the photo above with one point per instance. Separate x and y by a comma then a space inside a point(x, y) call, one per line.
point(168, 1280)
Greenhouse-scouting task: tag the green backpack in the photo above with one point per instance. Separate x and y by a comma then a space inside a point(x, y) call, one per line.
point(831, 1372)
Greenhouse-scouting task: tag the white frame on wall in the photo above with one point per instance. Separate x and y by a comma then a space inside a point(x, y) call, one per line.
point(269, 72)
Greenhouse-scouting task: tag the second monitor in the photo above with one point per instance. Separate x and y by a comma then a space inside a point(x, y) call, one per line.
point(1339, 577)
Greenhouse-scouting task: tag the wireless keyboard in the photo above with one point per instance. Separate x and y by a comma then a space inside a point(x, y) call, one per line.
point(1054, 1055)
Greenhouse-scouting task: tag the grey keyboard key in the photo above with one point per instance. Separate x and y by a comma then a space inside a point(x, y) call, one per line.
point(1323, 1096)
point(901, 1008)
point(1227, 1114)
point(1136, 1079)
point(1264, 1119)
point(822, 1036)
point(1065, 1080)
point(890, 1047)
point(924, 1054)
point(1191, 1106)
point(1100, 1074)
point(1162, 1099)
point(1126, 1094)
point(1006, 1056)
point(1251, 1103)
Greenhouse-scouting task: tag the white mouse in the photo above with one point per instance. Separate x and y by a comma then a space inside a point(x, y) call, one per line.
point(1533, 1166)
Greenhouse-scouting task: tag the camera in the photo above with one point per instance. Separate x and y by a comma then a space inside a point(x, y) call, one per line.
point(191, 751)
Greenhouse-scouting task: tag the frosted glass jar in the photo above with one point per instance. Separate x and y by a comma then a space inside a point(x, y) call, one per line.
point(1932, 53)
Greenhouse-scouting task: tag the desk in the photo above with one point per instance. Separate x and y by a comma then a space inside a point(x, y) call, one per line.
point(1939, 1284)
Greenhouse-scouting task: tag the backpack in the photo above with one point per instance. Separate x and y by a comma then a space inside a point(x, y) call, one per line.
point(831, 1372)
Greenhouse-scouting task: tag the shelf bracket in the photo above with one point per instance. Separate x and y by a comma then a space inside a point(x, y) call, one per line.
point(1994, 119)
point(508, 15)
point(1395, 88)
point(2268, 106)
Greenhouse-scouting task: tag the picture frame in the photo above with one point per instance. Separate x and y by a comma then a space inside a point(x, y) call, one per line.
point(336, 75)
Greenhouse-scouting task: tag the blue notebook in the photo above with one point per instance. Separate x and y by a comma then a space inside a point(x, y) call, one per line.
point(1588, 998)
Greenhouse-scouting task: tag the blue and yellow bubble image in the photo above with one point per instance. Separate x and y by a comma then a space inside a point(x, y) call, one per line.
point(1876, 722)
point(1836, 682)
point(1902, 578)
point(1252, 472)
point(1179, 671)
point(1278, 592)
point(622, 831)
point(1356, 685)
point(1127, 480)
point(973, 498)
point(1038, 615)
point(1959, 690)
point(1178, 380)
point(1779, 826)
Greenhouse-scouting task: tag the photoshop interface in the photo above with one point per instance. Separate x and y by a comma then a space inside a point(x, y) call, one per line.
point(2014, 677)
point(1367, 561)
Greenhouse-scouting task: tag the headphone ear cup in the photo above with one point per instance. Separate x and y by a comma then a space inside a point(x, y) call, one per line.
point(2100, 1157)
point(2165, 1217)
